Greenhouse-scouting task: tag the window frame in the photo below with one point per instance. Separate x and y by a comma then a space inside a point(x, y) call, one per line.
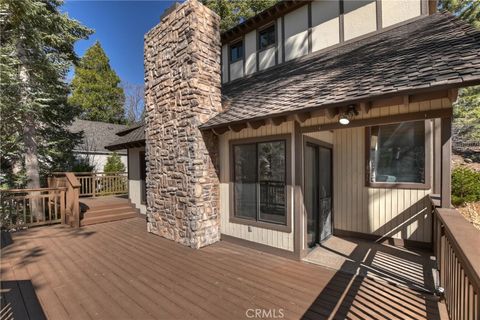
point(401, 185)
point(287, 227)
point(233, 43)
point(272, 45)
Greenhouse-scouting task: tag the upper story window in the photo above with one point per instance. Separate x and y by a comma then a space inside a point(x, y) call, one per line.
point(397, 154)
point(266, 37)
point(236, 51)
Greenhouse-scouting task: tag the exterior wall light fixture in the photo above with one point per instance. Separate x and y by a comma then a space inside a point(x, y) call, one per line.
point(348, 115)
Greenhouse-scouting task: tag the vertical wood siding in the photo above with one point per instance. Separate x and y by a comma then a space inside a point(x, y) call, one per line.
point(397, 213)
point(278, 239)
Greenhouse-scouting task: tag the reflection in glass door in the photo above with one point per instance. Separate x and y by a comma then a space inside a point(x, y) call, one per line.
point(318, 192)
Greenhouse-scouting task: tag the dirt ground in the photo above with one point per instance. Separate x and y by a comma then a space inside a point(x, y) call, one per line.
point(471, 211)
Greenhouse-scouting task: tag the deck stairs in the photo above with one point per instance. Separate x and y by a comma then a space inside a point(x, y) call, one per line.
point(103, 210)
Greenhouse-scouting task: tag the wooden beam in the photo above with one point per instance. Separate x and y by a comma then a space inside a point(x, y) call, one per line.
point(297, 193)
point(331, 112)
point(397, 100)
point(302, 117)
point(365, 106)
point(453, 95)
point(446, 188)
point(257, 124)
point(422, 115)
point(238, 127)
point(220, 130)
point(437, 156)
point(279, 120)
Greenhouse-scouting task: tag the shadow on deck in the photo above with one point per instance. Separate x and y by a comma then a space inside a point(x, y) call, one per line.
point(119, 271)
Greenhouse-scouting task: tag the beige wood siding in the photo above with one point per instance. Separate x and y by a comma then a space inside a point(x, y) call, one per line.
point(266, 58)
point(277, 239)
point(225, 64)
point(236, 70)
point(397, 213)
point(296, 33)
point(250, 52)
point(394, 11)
point(359, 18)
point(325, 24)
point(134, 188)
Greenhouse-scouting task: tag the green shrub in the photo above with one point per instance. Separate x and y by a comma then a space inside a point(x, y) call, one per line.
point(465, 186)
point(114, 164)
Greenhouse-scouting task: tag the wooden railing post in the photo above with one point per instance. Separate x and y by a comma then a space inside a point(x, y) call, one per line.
point(73, 200)
point(93, 184)
point(62, 206)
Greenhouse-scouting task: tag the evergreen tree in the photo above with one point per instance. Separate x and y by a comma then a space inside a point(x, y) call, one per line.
point(468, 10)
point(234, 12)
point(114, 164)
point(36, 53)
point(96, 89)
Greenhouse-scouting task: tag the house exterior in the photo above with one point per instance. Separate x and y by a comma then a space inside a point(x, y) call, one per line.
point(96, 135)
point(133, 140)
point(310, 119)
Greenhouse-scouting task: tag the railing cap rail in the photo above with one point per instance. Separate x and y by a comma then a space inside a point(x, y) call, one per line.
point(465, 239)
point(72, 180)
point(85, 173)
point(33, 190)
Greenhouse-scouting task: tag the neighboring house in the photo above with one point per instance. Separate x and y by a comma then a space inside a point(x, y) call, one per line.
point(133, 139)
point(310, 119)
point(96, 135)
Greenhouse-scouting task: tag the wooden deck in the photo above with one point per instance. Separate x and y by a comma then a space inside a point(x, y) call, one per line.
point(119, 271)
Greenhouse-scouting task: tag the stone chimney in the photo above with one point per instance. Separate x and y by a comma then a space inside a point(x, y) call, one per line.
point(183, 90)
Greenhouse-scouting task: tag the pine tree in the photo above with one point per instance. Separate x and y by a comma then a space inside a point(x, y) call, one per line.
point(96, 89)
point(234, 12)
point(36, 53)
point(114, 164)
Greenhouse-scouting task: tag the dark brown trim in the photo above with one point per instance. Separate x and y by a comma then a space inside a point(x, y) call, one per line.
point(128, 173)
point(385, 240)
point(230, 47)
point(276, 42)
point(259, 246)
point(402, 185)
point(422, 115)
point(341, 21)
point(446, 186)
point(320, 143)
point(257, 223)
point(309, 40)
point(228, 63)
point(379, 14)
point(299, 248)
point(283, 39)
point(437, 156)
point(126, 145)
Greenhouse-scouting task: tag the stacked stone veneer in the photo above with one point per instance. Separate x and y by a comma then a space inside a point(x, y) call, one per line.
point(183, 90)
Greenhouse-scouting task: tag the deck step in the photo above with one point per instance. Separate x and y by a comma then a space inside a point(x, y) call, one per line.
point(108, 211)
point(107, 206)
point(108, 218)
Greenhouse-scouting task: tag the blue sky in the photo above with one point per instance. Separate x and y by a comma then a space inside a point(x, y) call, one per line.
point(120, 27)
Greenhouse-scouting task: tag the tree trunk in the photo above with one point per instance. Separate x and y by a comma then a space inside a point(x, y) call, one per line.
point(29, 137)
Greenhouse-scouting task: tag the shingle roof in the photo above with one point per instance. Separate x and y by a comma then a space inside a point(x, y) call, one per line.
point(128, 138)
point(432, 51)
point(96, 134)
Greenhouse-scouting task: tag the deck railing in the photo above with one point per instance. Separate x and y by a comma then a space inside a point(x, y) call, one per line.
point(95, 184)
point(457, 250)
point(32, 207)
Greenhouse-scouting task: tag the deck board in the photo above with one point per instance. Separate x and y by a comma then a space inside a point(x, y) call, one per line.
point(119, 271)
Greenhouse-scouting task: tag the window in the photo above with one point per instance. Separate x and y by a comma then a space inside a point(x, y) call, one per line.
point(266, 37)
point(397, 155)
point(236, 51)
point(259, 176)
